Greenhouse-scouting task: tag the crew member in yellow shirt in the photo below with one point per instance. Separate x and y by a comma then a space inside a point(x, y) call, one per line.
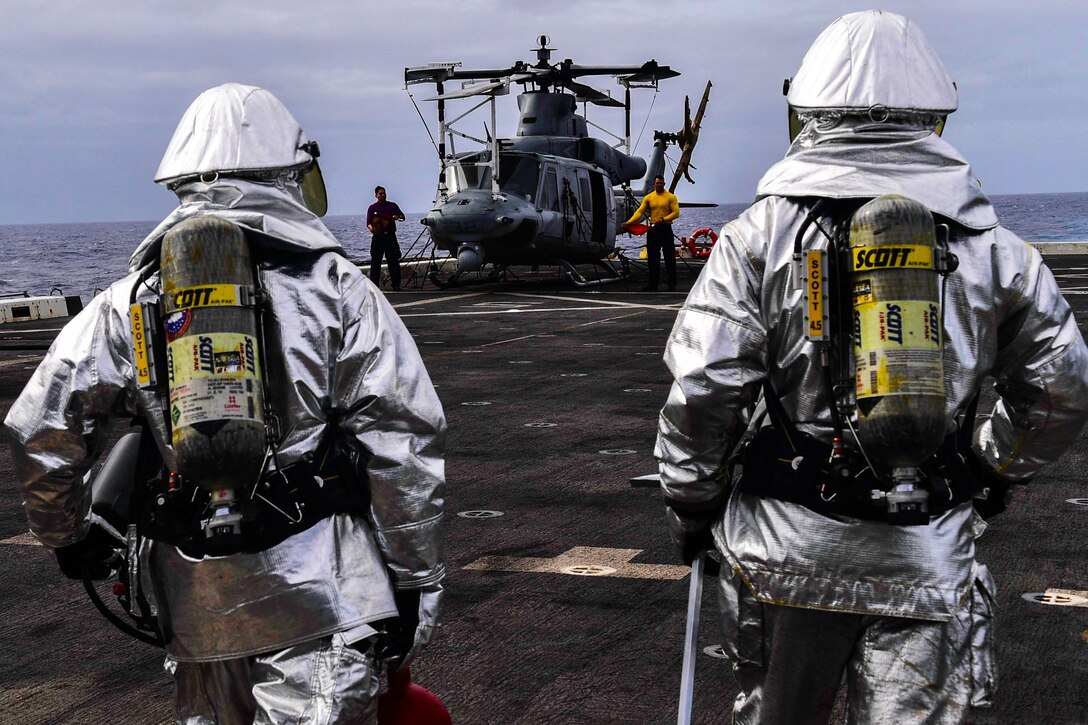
point(663, 207)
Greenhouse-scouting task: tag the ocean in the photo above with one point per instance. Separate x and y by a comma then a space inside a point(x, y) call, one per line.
point(81, 259)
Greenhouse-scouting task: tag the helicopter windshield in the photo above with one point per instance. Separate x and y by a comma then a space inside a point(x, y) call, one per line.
point(518, 175)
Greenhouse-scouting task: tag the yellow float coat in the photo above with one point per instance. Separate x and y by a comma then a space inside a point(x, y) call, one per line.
point(662, 206)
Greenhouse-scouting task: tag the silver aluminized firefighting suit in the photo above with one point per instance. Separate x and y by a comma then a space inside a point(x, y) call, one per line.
point(285, 617)
point(905, 611)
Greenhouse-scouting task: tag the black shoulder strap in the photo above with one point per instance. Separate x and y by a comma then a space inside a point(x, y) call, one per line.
point(779, 419)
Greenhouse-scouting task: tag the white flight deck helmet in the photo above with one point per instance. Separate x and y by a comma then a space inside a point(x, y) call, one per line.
point(241, 131)
point(872, 63)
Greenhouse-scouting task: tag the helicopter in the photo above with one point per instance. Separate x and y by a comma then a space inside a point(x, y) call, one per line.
point(551, 194)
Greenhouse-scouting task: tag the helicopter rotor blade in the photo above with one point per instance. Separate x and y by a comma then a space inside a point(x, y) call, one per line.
point(482, 88)
point(689, 136)
point(651, 72)
point(588, 93)
point(442, 72)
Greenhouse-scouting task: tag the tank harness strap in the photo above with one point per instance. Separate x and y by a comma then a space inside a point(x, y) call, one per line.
point(281, 504)
point(784, 463)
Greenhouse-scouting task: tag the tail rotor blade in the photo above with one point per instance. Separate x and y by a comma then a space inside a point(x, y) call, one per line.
point(689, 136)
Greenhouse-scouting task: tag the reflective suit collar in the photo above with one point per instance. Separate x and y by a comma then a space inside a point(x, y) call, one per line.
point(845, 159)
point(276, 213)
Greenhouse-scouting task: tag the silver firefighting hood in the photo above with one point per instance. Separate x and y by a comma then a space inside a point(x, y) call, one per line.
point(871, 92)
point(234, 128)
point(872, 59)
point(239, 154)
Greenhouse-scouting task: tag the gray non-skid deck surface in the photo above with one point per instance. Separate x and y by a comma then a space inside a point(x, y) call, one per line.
point(567, 607)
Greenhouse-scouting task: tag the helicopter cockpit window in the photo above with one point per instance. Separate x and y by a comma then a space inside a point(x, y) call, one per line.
point(473, 173)
point(517, 174)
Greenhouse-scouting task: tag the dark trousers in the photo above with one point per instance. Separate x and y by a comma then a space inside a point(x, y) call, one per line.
point(659, 240)
point(385, 245)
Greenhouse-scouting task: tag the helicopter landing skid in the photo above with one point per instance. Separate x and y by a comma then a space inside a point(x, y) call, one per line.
point(576, 277)
point(454, 280)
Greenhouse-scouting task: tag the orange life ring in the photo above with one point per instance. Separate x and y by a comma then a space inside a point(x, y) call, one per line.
point(702, 250)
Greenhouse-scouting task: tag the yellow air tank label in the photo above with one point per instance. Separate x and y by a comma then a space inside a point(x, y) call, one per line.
point(207, 295)
point(899, 256)
point(814, 295)
point(215, 376)
point(898, 348)
point(139, 345)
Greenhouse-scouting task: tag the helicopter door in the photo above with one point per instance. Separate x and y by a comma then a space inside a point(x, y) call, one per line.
point(551, 235)
point(599, 205)
point(585, 207)
point(595, 205)
point(549, 192)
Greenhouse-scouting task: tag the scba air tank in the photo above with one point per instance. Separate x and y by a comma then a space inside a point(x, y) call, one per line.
point(897, 332)
point(216, 405)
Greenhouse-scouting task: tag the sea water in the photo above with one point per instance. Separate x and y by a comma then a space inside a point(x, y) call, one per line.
point(81, 259)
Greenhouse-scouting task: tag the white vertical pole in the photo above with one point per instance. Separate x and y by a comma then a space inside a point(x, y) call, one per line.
point(691, 639)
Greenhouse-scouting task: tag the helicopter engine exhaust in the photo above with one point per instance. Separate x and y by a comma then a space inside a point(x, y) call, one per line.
point(469, 258)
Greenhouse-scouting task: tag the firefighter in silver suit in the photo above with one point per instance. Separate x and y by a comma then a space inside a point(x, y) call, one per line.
point(807, 597)
point(289, 633)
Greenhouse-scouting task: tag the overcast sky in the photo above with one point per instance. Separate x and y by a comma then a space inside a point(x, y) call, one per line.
point(90, 93)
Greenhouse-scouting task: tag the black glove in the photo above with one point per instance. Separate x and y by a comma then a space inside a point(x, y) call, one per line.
point(690, 528)
point(995, 495)
point(994, 491)
point(399, 633)
point(414, 627)
point(96, 552)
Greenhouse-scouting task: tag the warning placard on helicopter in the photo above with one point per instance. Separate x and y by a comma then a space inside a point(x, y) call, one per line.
point(898, 349)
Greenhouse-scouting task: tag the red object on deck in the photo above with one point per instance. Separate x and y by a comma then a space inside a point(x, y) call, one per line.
point(637, 229)
point(406, 703)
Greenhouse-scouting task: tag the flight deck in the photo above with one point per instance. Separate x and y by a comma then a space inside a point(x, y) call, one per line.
point(565, 600)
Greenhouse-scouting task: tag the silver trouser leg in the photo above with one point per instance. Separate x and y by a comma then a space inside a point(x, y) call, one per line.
point(212, 693)
point(788, 661)
point(322, 682)
point(915, 671)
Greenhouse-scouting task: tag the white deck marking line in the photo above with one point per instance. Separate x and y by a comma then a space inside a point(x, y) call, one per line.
point(584, 561)
point(522, 311)
point(434, 300)
point(20, 361)
point(610, 303)
point(569, 327)
point(36, 329)
point(21, 540)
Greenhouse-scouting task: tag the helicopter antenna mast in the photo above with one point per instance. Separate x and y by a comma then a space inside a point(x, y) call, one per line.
point(495, 166)
point(627, 117)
